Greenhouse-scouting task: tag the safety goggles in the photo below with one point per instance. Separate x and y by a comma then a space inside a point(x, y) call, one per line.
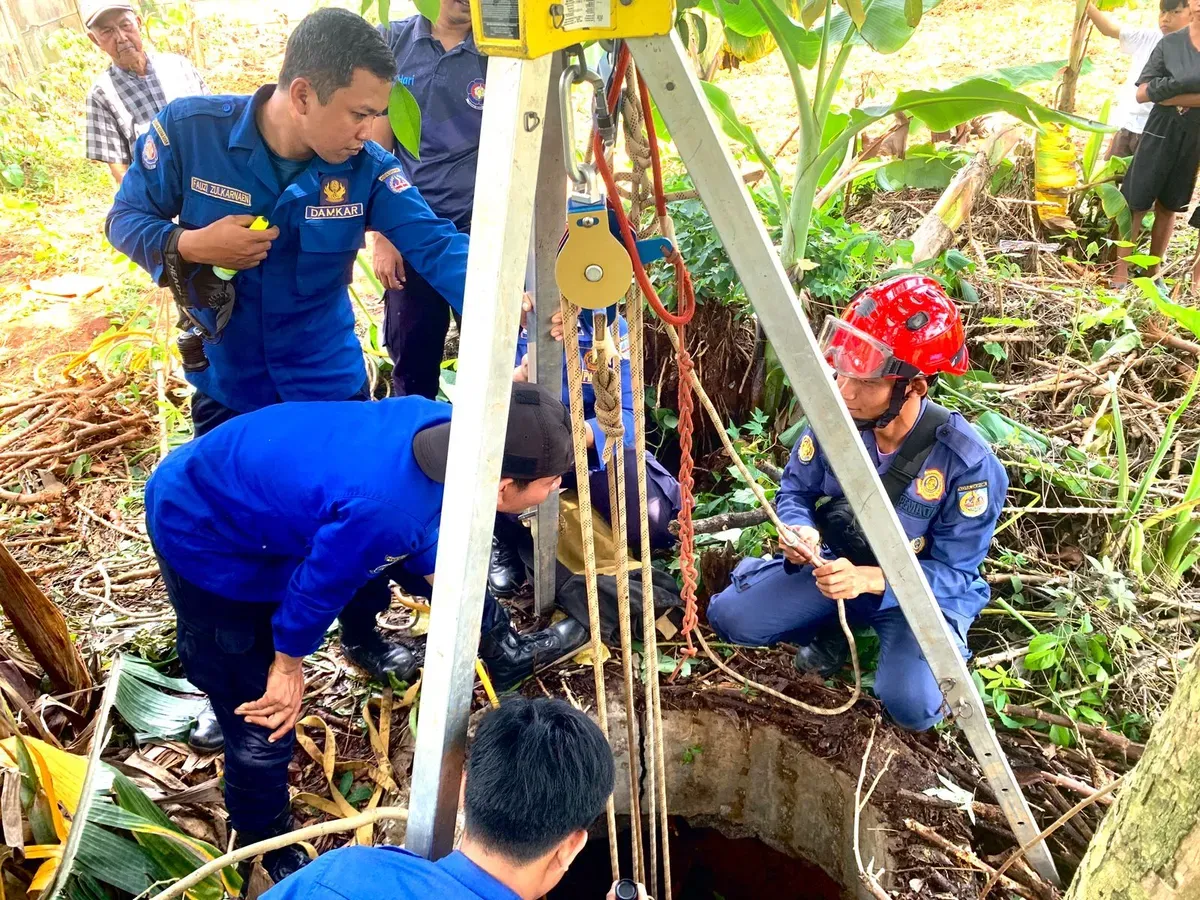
point(853, 353)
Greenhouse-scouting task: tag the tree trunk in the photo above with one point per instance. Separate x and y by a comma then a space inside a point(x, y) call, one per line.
point(1079, 40)
point(1148, 846)
point(935, 234)
point(41, 626)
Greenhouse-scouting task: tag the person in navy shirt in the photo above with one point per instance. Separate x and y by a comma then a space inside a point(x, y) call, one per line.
point(892, 341)
point(298, 154)
point(440, 64)
point(521, 834)
point(508, 571)
point(273, 525)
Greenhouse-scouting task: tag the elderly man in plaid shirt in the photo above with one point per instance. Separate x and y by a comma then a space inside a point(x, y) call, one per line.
point(134, 89)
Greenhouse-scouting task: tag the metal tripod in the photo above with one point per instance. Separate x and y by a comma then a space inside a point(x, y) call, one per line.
point(521, 136)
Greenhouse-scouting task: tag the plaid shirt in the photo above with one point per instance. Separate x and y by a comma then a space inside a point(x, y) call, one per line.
point(112, 132)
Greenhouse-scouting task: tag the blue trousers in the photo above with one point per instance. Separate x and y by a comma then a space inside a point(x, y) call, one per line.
point(226, 648)
point(766, 604)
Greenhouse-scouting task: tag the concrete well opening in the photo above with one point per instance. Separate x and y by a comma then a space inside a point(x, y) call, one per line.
point(754, 814)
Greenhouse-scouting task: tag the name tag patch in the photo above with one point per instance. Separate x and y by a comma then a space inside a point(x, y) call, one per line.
point(162, 133)
point(348, 211)
point(395, 181)
point(220, 191)
point(914, 508)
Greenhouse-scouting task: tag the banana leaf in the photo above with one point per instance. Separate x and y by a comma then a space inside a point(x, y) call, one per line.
point(148, 709)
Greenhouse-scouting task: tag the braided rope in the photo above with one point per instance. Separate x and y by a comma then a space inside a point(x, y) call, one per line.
point(570, 314)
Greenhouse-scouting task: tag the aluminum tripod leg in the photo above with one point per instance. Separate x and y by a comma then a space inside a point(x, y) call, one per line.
point(668, 73)
point(512, 132)
point(545, 354)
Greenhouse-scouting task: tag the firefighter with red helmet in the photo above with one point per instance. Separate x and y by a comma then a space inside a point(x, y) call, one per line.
point(889, 346)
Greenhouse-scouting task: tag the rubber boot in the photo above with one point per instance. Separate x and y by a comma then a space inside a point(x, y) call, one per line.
point(379, 657)
point(511, 657)
point(506, 573)
point(825, 654)
point(281, 863)
point(206, 736)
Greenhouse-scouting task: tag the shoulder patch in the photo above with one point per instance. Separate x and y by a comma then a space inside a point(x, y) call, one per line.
point(931, 485)
point(807, 449)
point(150, 153)
point(973, 499)
point(963, 441)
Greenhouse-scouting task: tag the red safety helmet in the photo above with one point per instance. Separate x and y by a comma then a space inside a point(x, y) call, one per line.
point(900, 328)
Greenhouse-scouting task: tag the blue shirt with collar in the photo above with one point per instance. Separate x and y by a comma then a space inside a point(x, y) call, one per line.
point(389, 873)
point(449, 86)
point(299, 504)
point(949, 512)
point(291, 335)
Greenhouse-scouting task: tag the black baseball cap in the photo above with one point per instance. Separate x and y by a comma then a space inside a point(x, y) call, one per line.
point(537, 444)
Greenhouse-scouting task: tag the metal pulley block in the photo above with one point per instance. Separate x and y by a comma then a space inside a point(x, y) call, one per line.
point(593, 269)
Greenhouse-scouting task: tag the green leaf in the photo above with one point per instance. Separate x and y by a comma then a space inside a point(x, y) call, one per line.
point(404, 114)
point(1142, 260)
point(366, 4)
point(1112, 201)
point(749, 49)
point(346, 783)
point(858, 15)
point(1091, 150)
point(700, 28)
point(1032, 73)
point(385, 12)
point(1060, 735)
point(1187, 316)
point(913, 10)
point(927, 173)
point(148, 709)
point(115, 860)
point(886, 28)
point(742, 17)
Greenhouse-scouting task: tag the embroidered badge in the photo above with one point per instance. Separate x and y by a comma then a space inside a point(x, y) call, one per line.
point(220, 191)
point(807, 449)
point(150, 153)
point(395, 181)
point(931, 485)
point(973, 500)
point(918, 544)
point(162, 133)
point(333, 190)
point(475, 92)
point(345, 211)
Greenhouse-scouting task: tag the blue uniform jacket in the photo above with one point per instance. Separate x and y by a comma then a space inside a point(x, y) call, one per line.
point(291, 336)
point(299, 504)
point(390, 873)
point(449, 87)
point(949, 512)
point(589, 393)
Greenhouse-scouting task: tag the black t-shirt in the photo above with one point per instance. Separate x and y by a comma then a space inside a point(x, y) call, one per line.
point(1173, 69)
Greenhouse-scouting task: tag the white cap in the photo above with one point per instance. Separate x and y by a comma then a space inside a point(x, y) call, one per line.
point(91, 10)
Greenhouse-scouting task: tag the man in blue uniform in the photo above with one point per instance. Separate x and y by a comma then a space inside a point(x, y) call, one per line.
point(521, 834)
point(508, 571)
point(439, 63)
point(299, 155)
point(277, 522)
point(946, 485)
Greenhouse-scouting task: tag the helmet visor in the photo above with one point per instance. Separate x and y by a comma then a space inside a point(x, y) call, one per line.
point(854, 353)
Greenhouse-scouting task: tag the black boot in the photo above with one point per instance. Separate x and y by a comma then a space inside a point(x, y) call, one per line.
point(825, 654)
point(279, 864)
point(506, 574)
point(206, 736)
point(379, 657)
point(511, 658)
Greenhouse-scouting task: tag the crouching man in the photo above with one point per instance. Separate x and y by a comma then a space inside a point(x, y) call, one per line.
point(283, 519)
point(945, 483)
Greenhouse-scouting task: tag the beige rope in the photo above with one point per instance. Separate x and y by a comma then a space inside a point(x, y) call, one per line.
point(784, 535)
point(570, 315)
point(606, 384)
point(656, 773)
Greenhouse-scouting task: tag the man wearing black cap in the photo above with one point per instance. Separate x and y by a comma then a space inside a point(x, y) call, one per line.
point(281, 520)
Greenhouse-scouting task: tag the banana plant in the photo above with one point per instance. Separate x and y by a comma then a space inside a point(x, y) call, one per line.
point(821, 43)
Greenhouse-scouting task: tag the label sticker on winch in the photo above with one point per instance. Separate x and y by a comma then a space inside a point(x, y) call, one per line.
point(580, 14)
point(501, 19)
